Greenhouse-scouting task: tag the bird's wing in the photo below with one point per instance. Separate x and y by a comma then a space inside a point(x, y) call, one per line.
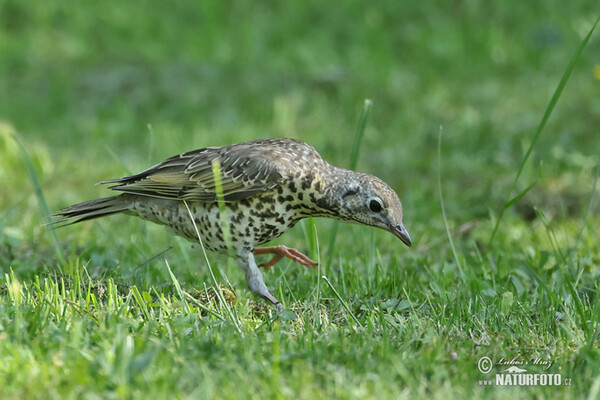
point(246, 169)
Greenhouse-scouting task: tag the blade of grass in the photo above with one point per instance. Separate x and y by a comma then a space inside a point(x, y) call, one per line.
point(360, 132)
point(141, 303)
point(118, 161)
point(203, 307)
point(212, 274)
point(554, 242)
point(520, 195)
point(344, 304)
point(594, 389)
point(439, 181)
point(308, 227)
point(151, 142)
point(37, 187)
point(316, 313)
point(154, 257)
point(178, 289)
point(216, 170)
point(557, 93)
point(587, 214)
point(550, 293)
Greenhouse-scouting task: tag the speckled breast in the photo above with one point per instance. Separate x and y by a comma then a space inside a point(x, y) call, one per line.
point(252, 221)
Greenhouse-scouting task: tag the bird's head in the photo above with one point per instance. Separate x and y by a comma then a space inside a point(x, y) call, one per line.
point(366, 199)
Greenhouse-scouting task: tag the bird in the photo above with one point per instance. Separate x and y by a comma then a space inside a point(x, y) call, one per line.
point(235, 198)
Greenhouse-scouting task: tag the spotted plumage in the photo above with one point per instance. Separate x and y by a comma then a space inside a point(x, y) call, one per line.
point(267, 187)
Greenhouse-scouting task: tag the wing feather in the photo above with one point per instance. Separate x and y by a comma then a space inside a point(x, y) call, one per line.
point(246, 169)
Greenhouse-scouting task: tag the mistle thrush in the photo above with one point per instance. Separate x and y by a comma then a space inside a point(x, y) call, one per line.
point(266, 187)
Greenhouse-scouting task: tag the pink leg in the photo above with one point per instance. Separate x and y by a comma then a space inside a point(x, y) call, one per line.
point(283, 251)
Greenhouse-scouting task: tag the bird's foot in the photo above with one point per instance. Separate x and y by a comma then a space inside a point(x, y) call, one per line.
point(284, 251)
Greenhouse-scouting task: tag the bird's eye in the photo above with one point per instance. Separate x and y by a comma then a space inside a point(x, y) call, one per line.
point(375, 205)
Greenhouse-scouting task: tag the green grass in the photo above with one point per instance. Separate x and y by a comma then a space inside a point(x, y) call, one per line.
point(118, 308)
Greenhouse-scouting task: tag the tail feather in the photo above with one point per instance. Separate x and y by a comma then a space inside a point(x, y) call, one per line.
point(89, 210)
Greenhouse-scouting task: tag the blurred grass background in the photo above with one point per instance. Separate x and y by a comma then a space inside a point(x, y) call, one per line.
point(78, 80)
point(98, 90)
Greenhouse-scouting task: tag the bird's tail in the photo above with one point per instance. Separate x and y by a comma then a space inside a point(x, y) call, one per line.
point(90, 210)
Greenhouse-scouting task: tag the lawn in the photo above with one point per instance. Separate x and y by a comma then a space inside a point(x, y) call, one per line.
point(119, 308)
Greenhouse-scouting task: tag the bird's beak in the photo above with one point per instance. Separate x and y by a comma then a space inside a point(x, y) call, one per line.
point(401, 233)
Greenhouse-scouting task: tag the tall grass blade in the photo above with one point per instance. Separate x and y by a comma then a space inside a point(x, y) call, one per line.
point(316, 313)
point(178, 289)
point(309, 228)
point(344, 304)
point(151, 142)
point(557, 93)
point(520, 195)
point(39, 193)
point(439, 182)
point(234, 320)
point(360, 132)
point(216, 170)
point(203, 307)
point(587, 214)
point(118, 161)
point(139, 299)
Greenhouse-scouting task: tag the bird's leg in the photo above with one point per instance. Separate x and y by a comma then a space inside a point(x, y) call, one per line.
point(254, 279)
point(283, 251)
